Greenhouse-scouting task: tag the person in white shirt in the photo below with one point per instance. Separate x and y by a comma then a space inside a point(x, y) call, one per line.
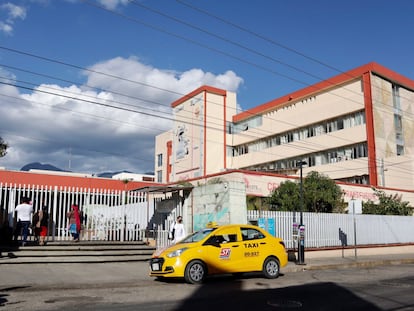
point(24, 213)
point(177, 230)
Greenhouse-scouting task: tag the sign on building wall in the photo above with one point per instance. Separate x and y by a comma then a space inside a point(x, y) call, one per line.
point(264, 185)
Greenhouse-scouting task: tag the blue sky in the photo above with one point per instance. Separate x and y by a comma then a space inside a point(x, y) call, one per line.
point(142, 55)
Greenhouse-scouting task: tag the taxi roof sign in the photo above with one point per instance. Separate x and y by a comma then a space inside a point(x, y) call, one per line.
point(211, 224)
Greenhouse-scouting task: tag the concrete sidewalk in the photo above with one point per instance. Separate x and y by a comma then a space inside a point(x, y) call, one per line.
point(351, 257)
point(78, 275)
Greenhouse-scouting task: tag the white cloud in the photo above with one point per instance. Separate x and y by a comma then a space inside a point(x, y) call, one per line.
point(44, 127)
point(12, 12)
point(15, 11)
point(112, 4)
point(5, 28)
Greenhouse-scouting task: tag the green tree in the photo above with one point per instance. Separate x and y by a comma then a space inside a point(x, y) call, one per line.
point(256, 203)
point(387, 205)
point(320, 194)
point(3, 147)
point(285, 197)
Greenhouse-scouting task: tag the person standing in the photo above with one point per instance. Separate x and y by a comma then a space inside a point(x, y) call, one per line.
point(24, 217)
point(43, 224)
point(74, 222)
point(177, 230)
point(36, 226)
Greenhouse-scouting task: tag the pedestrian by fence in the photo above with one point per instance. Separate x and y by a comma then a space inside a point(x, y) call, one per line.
point(107, 215)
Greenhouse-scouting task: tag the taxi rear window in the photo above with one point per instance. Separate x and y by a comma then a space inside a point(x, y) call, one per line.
point(251, 234)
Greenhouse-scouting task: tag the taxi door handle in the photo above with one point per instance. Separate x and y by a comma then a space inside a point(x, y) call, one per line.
point(262, 243)
point(235, 246)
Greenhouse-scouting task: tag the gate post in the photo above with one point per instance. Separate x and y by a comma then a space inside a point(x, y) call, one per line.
point(123, 218)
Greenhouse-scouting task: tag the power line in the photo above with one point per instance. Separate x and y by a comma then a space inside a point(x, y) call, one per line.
point(257, 35)
point(112, 76)
point(192, 41)
point(171, 119)
point(165, 15)
point(266, 39)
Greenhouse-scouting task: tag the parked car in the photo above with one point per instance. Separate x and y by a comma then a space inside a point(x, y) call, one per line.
point(233, 249)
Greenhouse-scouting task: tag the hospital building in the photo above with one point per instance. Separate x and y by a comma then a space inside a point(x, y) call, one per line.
point(356, 128)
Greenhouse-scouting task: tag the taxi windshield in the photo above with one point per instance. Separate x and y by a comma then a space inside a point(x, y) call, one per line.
point(198, 235)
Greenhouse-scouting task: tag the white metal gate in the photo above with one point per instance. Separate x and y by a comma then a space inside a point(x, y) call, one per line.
point(108, 214)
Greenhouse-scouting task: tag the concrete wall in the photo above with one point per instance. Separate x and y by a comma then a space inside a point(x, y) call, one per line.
point(222, 203)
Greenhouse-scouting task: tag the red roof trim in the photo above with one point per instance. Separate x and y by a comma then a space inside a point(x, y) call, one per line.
point(49, 180)
point(325, 85)
point(204, 88)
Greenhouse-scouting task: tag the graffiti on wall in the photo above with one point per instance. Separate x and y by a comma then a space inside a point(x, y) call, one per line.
point(213, 205)
point(182, 142)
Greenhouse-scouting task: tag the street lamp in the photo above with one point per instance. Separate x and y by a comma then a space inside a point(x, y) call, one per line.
point(301, 238)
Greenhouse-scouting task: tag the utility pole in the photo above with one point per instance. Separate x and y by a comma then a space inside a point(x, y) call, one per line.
point(301, 238)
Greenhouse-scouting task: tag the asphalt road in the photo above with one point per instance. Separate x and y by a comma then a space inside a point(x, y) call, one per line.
point(370, 288)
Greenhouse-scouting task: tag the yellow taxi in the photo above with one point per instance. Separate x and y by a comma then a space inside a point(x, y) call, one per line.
point(223, 249)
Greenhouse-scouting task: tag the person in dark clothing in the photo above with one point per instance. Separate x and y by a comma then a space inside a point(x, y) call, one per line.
point(43, 224)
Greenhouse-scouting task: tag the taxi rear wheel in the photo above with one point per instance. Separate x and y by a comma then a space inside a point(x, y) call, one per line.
point(271, 268)
point(195, 272)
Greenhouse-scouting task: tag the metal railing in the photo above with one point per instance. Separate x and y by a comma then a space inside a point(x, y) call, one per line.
point(128, 216)
point(107, 215)
point(329, 229)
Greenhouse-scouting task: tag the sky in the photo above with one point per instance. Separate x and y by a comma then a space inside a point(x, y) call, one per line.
point(87, 85)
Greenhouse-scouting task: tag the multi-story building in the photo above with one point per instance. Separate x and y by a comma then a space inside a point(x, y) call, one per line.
point(357, 128)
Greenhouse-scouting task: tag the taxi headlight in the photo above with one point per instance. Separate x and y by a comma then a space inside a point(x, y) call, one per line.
point(176, 253)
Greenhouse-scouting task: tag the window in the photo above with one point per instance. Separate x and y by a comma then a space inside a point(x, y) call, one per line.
point(246, 125)
point(327, 126)
point(399, 138)
point(340, 124)
point(225, 238)
point(303, 133)
point(363, 180)
point(396, 96)
point(251, 234)
point(230, 127)
point(159, 159)
point(159, 176)
point(319, 130)
point(346, 153)
point(397, 123)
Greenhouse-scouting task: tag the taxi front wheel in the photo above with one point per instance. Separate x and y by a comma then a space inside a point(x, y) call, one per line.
point(271, 268)
point(195, 272)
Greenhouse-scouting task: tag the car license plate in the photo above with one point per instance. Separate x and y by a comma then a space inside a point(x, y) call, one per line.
point(155, 266)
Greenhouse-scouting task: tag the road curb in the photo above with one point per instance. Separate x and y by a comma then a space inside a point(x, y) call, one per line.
point(355, 264)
